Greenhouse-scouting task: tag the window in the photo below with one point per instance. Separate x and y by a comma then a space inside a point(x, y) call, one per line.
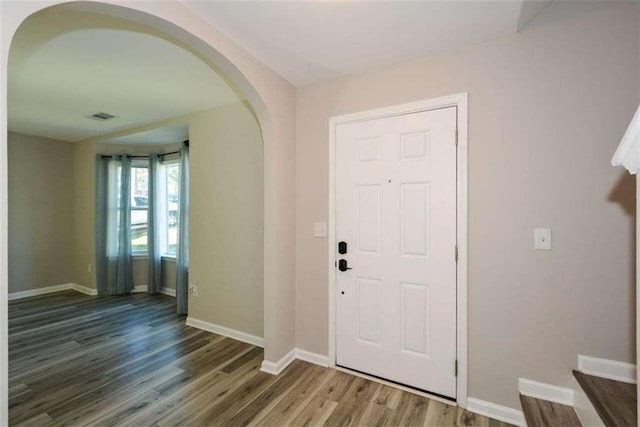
point(167, 205)
point(170, 201)
point(139, 206)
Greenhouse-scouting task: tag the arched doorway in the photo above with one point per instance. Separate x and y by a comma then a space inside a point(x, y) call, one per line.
point(273, 100)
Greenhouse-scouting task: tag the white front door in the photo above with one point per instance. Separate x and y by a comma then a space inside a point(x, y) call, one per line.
point(396, 212)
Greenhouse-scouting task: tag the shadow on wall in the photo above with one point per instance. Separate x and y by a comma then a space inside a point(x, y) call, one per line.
point(623, 194)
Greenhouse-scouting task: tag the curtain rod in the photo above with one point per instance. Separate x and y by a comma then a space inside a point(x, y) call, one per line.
point(141, 157)
point(147, 156)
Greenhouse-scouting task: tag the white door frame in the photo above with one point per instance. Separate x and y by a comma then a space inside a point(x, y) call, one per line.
point(461, 102)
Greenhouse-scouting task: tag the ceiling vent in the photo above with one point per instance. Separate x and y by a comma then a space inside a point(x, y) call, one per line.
point(101, 117)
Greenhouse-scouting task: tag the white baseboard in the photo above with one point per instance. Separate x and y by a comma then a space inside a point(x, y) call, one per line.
point(315, 358)
point(585, 411)
point(548, 392)
point(165, 291)
point(274, 368)
point(83, 289)
point(39, 291)
point(227, 332)
point(50, 290)
point(605, 368)
point(498, 412)
point(168, 291)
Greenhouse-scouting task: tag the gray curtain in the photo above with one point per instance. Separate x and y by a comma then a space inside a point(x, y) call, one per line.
point(182, 258)
point(113, 225)
point(153, 227)
point(102, 203)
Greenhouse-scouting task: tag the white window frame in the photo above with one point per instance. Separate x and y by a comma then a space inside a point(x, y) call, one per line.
point(163, 196)
point(140, 164)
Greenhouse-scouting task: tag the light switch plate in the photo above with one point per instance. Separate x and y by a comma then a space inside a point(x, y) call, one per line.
point(319, 229)
point(542, 239)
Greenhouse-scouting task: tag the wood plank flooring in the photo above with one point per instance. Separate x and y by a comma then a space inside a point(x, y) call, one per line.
point(614, 401)
point(542, 413)
point(131, 361)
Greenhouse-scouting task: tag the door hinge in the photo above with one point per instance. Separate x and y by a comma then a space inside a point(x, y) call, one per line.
point(456, 368)
point(456, 137)
point(456, 253)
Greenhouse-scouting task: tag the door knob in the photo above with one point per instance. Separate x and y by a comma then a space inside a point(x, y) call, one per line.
point(343, 266)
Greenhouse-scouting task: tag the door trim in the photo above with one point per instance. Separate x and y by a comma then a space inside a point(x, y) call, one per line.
point(461, 102)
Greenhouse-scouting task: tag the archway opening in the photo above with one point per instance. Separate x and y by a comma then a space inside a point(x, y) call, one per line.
point(252, 103)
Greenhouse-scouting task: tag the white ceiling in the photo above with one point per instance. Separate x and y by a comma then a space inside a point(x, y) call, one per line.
point(65, 66)
point(307, 42)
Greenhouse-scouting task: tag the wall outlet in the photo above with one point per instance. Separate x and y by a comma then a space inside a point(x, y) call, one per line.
point(193, 289)
point(89, 268)
point(542, 239)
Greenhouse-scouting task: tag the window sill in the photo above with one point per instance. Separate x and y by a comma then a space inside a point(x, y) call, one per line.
point(170, 258)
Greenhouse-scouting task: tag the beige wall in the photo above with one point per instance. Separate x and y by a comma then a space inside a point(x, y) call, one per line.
point(40, 212)
point(168, 274)
point(547, 108)
point(226, 218)
point(140, 268)
point(84, 214)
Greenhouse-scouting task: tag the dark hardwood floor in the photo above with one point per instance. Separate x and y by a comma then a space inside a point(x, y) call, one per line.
point(615, 401)
point(131, 361)
point(542, 413)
